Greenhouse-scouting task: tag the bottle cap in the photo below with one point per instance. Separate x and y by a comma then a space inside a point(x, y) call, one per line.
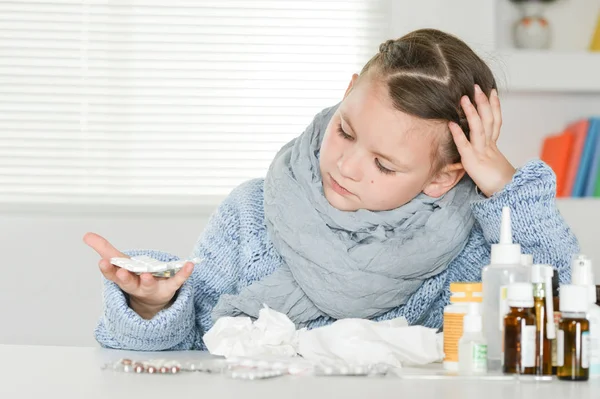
point(582, 274)
point(541, 273)
point(520, 295)
point(526, 259)
point(466, 292)
point(505, 252)
point(574, 298)
point(472, 322)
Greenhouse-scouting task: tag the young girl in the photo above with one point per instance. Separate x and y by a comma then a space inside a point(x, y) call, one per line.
point(383, 201)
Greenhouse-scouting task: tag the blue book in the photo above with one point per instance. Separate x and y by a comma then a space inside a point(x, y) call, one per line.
point(593, 173)
point(584, 165)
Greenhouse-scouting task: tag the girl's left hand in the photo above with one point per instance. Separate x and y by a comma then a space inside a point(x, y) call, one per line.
point(481, 158)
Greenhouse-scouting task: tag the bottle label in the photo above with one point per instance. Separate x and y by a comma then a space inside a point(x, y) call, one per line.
point(585, 350)
point(453, 330)
point(528, 346)
point(554, 341)
point(560, 348)
point(479, 357)
point(503, 307)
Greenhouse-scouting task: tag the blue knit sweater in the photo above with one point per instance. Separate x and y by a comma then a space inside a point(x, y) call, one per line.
point(237, 251)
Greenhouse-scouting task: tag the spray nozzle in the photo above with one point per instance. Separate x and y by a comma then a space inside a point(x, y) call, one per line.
point(582, 274)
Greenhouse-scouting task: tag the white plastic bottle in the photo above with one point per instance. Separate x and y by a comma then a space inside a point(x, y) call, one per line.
point(462, 294)
point(582, 274)
point(472, 346)
point(504, 269)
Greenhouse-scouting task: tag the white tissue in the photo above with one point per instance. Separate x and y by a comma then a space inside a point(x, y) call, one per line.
point(354, 341)
point(359, 341)
point(273, 334)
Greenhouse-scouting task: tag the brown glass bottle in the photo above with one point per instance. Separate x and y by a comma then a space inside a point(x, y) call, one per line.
point(519, 331)
point(572, 330)
point(556, 300)
point(543, 345)
point(519, 348)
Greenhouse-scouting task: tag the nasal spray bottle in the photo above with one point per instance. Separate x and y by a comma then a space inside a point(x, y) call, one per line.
point(582, 274)
point(504, 269)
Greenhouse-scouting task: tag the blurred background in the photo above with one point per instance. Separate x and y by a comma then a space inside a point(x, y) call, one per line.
point(134, 119)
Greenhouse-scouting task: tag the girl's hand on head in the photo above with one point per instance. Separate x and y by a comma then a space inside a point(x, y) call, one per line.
point(147, 294)
point(481, 158)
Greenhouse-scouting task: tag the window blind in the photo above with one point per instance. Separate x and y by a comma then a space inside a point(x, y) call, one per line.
point(166, 102)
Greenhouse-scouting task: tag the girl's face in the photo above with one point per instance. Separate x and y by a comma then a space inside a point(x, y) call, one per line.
point(377, 158)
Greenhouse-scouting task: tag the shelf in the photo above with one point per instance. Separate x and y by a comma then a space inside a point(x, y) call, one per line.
point(547, 71)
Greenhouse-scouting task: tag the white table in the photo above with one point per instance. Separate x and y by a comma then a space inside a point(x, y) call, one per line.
point(72, 372)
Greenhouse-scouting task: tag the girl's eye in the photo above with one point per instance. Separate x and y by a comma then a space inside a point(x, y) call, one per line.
point(344, 135)
point(382, 168)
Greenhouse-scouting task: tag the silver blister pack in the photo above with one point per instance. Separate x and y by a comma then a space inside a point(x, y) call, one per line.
point(350, 370)
point(145, 264)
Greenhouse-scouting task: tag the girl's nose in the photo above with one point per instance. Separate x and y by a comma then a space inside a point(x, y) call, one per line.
point(350, 165)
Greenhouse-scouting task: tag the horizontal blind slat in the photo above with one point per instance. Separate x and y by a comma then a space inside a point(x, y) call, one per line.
point(153, 102)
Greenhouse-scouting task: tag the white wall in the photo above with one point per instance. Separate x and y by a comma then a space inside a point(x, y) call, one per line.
point(51, 290)
point(51, 286)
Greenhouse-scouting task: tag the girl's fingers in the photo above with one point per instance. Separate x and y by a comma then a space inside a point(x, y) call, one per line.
point(128, 282)
point(497, 111)
point(108, 270)
point(101, 245)
point(178, 279)
point(484, 109)
point(460, 139)
point(477, 134)
point(148, 285)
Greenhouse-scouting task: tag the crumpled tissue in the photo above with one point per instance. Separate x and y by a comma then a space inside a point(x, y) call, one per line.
point(273, 333)
point(354, 341)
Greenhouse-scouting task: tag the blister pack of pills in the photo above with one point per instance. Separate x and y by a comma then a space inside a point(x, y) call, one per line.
point(145, 264)
point(350, 370)
point(240, 373)
point(154, 366)
point(211, 366)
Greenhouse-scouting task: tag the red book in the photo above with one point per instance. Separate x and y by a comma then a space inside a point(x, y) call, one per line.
point(556, 152)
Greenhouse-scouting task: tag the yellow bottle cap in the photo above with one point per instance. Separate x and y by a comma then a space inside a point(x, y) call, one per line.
point(466, 292)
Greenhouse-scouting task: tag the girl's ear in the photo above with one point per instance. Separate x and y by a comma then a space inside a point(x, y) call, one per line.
point(444, 180)
point(351, 84)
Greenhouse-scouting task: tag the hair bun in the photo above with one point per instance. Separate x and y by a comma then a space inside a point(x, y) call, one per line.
point(392, 47)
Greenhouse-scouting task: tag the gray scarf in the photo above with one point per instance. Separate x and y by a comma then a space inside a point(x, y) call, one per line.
point(346, 264)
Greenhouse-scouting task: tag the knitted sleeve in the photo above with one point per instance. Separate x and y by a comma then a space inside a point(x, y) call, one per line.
point(122, 328)
point(536, 222)
point(222, 270)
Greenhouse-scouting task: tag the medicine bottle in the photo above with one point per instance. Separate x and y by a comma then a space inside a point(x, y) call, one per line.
point(472, 346)
point(462, 294)
point(555, 297)
point(519, 331)
point(573, 340)
point(543, 307)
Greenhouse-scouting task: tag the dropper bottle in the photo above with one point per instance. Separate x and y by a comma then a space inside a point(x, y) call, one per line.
point(504, 269)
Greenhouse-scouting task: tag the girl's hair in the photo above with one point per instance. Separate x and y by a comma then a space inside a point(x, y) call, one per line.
point(426, 73)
